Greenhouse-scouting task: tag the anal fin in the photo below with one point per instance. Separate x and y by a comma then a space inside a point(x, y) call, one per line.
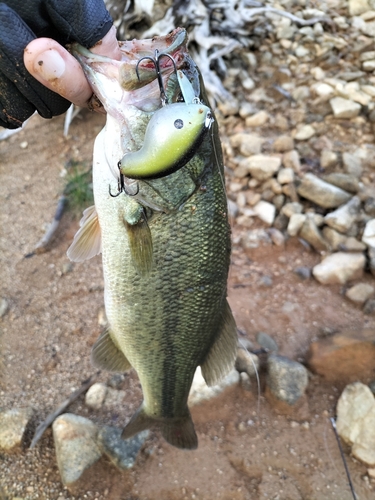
point(88, 240)
point(222, 355)
point(106, 355)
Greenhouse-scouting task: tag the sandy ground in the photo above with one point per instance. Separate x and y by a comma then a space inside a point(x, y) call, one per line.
point(246, 450)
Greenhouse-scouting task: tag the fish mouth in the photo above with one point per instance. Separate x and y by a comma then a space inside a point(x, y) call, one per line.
point(117, 83)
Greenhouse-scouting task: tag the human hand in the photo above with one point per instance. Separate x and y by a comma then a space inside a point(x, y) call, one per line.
point(54, 78)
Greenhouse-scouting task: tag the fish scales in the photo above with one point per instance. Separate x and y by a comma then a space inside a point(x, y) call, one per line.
point(169, 317)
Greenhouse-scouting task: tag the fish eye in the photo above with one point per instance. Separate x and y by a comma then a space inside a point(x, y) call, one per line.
point(178, 123)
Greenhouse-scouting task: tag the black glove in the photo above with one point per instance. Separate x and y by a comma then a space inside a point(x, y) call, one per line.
point(83, 21)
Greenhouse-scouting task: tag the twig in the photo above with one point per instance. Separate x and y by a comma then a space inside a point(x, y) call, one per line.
point(333, 423)
point(52, 416)
point(42, 245)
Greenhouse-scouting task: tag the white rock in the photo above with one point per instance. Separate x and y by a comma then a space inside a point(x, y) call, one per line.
point(323, 90)
point(285, 175)
point(357, 7)
point(263, 167)
point(296, 221)
point(258, 119)
point(356, 421)
point(75, 444)
point(291, 160)
point(13, 424)
point(305, 132)
point(292, 208)
point(352, 163)
point(342, 218)
point(265, 211)
point(369, 234)
point(328, 158)
point(95, 396)
point(360, 292)
point(200, 391)
point(339, 268)
point(322, 193)
point(344, 108)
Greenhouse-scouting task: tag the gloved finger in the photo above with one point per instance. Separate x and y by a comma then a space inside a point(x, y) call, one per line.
point(58, 70)
point(20, 93)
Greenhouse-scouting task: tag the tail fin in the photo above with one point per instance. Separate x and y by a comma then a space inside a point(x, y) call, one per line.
point(178, 431)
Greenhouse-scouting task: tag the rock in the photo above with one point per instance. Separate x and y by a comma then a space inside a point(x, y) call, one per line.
point(291, 160)
point(346, 182)
point(13, 424)
point(369, 207)
point(356, 421)
point(305, 133)
point(252, 198)
point(303, 272)
point(371, 257)
point(76, 446)
point(322, 89)
point(247, 362)
point(277, 237)
point(283, 143)
point(357, 7)
point(262, 167)
point(287, 380)
point(114, 397)
point(344, 108)
point(200, 391)
point(369, 234)
point(342, 218)
point(336, 240)
point(257, 120)
point(285, 176)
point(352, 164)
point(292, 208)
point(328, 159)
point(340, 268)
point(267, 342)
point(351, 244)
point(265, 211)
point(310, 232)
point(322, 193)
point(360, 293)
point(95, 396)
point(121, 452)
point(296, 221)
point(232, 208)
point(248, 144)
point(255, 238)
point(369, 307)
point(4, 306)
point(344, 357)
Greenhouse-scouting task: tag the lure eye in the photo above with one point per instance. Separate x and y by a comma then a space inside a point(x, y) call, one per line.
point(178, 123)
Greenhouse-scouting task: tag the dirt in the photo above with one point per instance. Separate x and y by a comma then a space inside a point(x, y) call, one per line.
point(246, 449)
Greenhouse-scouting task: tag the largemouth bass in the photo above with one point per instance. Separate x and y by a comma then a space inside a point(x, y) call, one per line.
point(164, 238)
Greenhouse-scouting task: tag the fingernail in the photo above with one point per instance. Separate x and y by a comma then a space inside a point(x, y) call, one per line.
point(49, 65)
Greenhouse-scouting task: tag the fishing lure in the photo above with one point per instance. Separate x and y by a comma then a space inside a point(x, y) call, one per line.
point(173, 134)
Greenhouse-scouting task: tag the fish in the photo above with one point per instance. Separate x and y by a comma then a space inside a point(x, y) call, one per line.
point(163, 232)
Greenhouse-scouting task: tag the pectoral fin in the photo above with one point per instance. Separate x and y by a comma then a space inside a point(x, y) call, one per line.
point(140, 241)
point(222, 355)
point(106, 355)
point(87, 242)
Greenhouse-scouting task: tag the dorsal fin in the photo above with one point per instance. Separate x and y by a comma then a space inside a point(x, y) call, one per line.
point(87, 242)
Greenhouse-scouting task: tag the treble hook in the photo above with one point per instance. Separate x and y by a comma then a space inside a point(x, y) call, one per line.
point(121, 188)
point(155, 60)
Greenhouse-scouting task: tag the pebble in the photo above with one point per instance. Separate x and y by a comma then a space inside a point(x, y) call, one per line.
point(357, 7)
point(265, 211)
point(277, 237)
point(248, 144)
point(267, 342)
point(283, 143)
point(200, 391)
point(356, 421)
point(95, 396)
point(311, 233)
point(303, 272)
point(352, 164)
point(291, 160)
point(346, 182)
point(76, 446)
point(296, 221)
point(263, 167)
point(13, 424)
point(285, 175)
point(360, 293)
point(335, 239)
point(122, 452)
point(292, 208)
point(305, 133)
point(344, 108)
point(339, 268)
point(369, 234)
point(4, 306)
point(328, 159)
point(257, 120)
point(286, 379)
point(322, 193)
point(369, 307)
point(247, 362)
point(342, 218)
